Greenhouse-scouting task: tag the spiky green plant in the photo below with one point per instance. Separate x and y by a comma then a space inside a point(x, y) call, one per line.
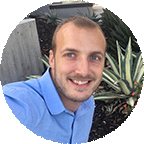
point(115, 29)
point(51, 17)
point(93, 16)
point(123, 75)
point(45, 60)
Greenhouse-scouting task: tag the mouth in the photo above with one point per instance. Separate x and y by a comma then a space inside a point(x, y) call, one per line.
point(80, 83)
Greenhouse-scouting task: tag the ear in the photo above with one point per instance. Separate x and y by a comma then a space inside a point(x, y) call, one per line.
point(51, 59)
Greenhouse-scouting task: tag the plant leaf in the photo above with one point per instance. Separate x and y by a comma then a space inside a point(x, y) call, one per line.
point(113, 63)
point(45, 62)
point(108, 95)
point(128, 64)
point(33, 76)
point(121, 60)
point(140, 74)
point(111, 83)
point(110, 75)
point(131, 101)
point(125, 86)
point(137, 66)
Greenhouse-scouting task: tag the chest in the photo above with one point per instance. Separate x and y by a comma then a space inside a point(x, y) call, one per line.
point(64, 128)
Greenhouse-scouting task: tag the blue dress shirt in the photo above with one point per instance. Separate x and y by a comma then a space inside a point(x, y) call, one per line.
point(37, 105)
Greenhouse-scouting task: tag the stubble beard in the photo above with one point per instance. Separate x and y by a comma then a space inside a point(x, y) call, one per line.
point(63, 92)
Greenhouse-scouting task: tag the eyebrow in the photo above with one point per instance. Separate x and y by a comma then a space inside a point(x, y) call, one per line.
point(77, 51)
point(70, 50)
point(98, 52)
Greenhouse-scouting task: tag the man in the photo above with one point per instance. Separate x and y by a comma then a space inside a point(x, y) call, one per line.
point(59, 106)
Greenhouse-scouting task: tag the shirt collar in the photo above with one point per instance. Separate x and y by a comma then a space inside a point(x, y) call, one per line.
point(85, 107)
point(53, 100)
point(50, 94)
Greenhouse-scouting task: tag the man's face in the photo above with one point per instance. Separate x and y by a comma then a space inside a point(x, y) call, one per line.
point(77, 66)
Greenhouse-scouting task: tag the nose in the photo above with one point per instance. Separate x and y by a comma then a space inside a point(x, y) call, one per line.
point(82, 67)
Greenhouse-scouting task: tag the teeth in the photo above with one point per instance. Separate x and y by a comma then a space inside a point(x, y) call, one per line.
point(80, 82)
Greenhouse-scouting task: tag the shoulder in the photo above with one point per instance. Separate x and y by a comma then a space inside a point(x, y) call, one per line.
point(24, 98)
point(22, 90)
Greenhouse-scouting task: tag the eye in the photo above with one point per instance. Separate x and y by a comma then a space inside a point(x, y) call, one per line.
point(70, 55)
point(94, 58)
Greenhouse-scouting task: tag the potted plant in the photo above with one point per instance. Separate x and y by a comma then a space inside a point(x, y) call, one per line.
point(46, 23)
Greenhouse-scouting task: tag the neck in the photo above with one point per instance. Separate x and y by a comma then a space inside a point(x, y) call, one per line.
point(69, 104)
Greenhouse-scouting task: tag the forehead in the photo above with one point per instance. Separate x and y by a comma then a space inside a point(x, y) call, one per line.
point(71, 30)
point(71, 27)
point(77, 37)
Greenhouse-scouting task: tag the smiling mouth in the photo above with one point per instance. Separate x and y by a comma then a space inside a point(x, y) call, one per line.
point(80, 82)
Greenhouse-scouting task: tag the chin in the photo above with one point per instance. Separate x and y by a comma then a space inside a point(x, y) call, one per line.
point(81, 97)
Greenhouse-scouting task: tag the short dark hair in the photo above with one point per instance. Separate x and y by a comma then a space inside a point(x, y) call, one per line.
point(78, 21)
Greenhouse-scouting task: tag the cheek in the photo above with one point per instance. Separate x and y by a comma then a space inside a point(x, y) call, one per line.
point(64, 66)
point(98, 71)
point(64, 70)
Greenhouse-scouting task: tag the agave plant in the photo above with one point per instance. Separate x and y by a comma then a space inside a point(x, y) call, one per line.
point(115, 29)
point(93, 17)
point(51, 17)
point(123, 75)
point(45, 61)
